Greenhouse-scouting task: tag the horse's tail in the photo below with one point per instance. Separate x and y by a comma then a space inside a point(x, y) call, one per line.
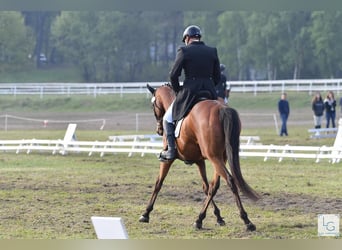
point(230, 121)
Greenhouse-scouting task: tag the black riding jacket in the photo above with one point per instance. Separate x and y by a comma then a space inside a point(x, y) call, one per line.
point(201, 67)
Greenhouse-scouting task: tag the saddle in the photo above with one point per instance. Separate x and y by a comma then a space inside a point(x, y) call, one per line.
point(200, 96)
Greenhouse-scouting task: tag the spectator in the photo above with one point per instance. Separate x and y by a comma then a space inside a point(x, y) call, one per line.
point(330, 109)
point(223, 89)
point(318, 109)
point(284, 112)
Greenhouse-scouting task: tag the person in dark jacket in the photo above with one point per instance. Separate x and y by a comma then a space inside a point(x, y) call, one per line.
point(330, 109)
point(284, 112)
point(222, 88)
point(201, 67)
point(318, 109)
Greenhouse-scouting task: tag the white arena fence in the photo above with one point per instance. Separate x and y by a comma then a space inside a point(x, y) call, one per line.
point(121, 88)
point(331, 153)
point(152, 144)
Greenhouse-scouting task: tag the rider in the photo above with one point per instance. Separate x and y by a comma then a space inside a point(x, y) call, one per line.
point(201, 67)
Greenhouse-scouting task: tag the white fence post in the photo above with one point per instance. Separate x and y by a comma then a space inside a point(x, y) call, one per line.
point(337, 143)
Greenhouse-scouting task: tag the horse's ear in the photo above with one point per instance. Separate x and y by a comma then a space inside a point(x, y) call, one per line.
point(151, 89)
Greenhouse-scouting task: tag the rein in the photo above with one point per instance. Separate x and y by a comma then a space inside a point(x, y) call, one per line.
point(161, 109)
point(158, 119)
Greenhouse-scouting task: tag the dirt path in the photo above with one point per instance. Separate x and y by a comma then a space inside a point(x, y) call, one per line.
point(135, 121)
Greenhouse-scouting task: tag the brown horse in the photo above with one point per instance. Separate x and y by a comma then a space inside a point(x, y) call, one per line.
point(210, 131)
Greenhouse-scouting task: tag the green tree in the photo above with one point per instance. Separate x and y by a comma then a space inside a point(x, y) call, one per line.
point(207, 21)
point(15, 41)
point(326, 36)
point(265, 42)
point(40, 22)
point(297, 42)
point(107, 46)
point(165, 31)
point(75, 36)
point(134, 45)
point(141, 45)
point(107, 57)
point(233, 37)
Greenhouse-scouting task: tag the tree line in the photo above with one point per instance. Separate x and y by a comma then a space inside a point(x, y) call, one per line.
point(114, 46)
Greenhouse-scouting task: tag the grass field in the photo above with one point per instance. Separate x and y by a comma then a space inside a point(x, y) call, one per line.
point(240, 101)
point(53, 197)
point(45, 196)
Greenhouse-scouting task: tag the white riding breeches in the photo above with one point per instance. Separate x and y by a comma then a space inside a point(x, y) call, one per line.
point(168, 114)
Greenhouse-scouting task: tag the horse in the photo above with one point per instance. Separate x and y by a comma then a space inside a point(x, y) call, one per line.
point(210, 131)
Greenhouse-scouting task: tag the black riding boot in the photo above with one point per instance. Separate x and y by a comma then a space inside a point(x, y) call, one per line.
point(170, 153)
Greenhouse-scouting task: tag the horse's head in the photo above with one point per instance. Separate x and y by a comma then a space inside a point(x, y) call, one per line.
point(162, 98)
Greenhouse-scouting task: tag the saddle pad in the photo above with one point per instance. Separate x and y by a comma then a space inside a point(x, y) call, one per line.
point(178, 127)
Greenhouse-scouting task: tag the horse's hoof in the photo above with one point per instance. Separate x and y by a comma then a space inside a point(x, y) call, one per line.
point(198, 225)
point(251, 227)
point(144, 219)
point(221, 223)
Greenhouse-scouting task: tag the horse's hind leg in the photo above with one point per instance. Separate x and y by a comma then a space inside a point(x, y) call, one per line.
point(205, 183)
point(217, 212)
point(221, 170)
point(163, 171)
point(243, 214)
point(210, 195)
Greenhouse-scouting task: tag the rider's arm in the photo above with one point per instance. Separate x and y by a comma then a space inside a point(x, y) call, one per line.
point(177, 70)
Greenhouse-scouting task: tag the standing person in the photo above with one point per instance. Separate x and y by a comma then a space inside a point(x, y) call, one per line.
point(201, 67)
point(284, 112)
point(318, 109)
point(222, 89)
point(330, 109)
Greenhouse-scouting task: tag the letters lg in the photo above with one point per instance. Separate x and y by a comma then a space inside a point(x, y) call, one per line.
point(330, 226)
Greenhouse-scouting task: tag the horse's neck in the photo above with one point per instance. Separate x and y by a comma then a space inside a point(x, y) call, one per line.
point(168, 99)
point(170, 102)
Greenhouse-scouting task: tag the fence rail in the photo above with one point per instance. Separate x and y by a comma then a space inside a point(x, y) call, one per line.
point(121, 88)
point(317, 153)
point(152, 144)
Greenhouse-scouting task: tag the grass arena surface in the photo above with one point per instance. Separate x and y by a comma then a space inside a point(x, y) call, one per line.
point(44, 196)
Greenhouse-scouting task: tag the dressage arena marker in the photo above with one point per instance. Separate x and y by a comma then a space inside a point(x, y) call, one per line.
point(109, 227)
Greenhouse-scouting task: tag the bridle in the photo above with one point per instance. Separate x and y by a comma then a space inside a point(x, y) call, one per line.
point(161, 109)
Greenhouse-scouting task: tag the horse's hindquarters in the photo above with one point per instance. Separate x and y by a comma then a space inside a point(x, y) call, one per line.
point(201, 135)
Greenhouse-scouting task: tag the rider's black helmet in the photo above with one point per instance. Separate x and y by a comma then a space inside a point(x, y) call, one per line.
point(192, 31)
